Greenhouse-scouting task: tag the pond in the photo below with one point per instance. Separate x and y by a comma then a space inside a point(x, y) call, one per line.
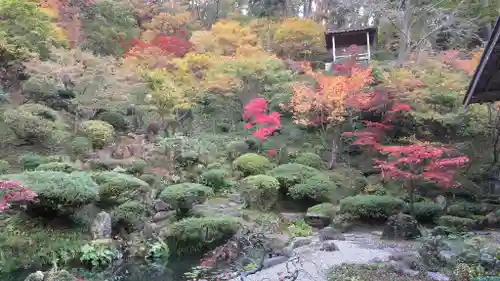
point(133, 270)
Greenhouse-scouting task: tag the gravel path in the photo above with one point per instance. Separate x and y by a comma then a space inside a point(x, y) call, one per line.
point(316, 263)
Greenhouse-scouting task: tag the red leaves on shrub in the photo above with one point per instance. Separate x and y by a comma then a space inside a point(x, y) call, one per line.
point(409, 162)
point(175, 46)
point(13, 191)
point(256, 114)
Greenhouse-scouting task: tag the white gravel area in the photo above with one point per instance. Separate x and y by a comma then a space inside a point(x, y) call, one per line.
point(316, 263)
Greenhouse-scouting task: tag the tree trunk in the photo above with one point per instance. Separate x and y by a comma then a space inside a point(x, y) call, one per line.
point(404, 35)
point(334, 149)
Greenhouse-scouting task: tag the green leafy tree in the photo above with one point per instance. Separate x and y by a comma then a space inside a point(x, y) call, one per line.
point(106, 24)
point(24, 30)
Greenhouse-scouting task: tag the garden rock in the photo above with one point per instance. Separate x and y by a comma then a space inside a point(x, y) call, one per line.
point(301, 241)
point(330, 233)
point(101, 226)
point(317, 220)
point(163, 215)
point(493, 219)
point(37, 276)
point(438, 276)
point(159, 206)
point(401, 226)
point(328, 246)
point(441, 200)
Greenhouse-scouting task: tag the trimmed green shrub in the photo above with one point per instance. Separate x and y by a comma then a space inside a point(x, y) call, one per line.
point(324, 209)
point(197, 235)
point(4, 166)
point(425, 211)
point(79, 146)
point(117, 188)
point(59, 190)
point(457, 223)
point(464, 209)
point(318, 187)
point(99, 133)
point(259, 191)
point(292, 174)
point(115, 119)
point(150, 179)
point(252, 164)
point(131, 214)
point(30, 161)
point(309, 159)
point(35, 123)
point(371, 206)
point(56, 167)
point(137, 167)
point(215, 178)
point(183, 196)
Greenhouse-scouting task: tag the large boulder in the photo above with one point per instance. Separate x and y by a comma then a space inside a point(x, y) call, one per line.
point(320, 215)
point(101, 226)
point(401, 226)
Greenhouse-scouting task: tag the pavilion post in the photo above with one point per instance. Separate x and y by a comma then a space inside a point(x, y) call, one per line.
point(333, 49)
point(368, 45)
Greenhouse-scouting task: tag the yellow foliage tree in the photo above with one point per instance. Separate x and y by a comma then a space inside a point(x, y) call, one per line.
point(165, 24)
point(225, 38)
point(298, 38)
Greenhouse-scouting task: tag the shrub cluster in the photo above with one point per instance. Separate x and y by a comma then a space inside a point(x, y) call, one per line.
point(371, 206)
point(259, 191)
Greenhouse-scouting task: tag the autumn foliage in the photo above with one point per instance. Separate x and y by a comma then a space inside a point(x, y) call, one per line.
point(257, 116)
point(407, 163)
point(325, 102)
point(13, 191)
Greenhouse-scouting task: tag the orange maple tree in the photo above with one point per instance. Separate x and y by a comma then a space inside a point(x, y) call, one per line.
point(325, 103)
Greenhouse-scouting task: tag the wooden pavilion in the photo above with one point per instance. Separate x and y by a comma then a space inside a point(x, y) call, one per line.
point(485, 84)
point(338, 40)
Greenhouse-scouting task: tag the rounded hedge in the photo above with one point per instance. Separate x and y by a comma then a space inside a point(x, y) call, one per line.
point(259, 191)
point(34, 122)
point(59, 189)
point(236, 149)
point(183, 196)
point(309, 159)
point(196, 235)
point(215, 178)
point(252, 164)
point(79, 146)
point(318, 187)
point(115, 119)
point(458, 223)
point(30, 161)
point(425, 211)
point(100, 133)
point(56, 167)
point(117, 188)
point(131, 214)
point(371, 206)
point(292, 174)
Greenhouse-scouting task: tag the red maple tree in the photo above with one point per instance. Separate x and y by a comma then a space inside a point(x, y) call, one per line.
point(173, 46)
point(406, 163)
point(13, 191)
point(257, 116)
